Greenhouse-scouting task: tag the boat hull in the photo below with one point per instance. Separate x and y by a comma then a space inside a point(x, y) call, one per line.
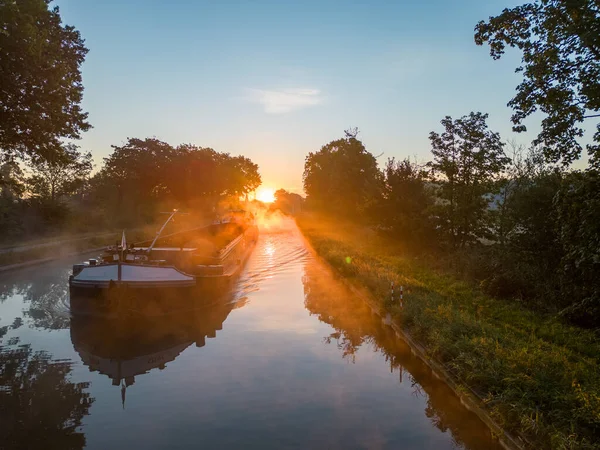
point(157, 293)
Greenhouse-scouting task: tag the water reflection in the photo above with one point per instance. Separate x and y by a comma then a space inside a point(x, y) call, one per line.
point(40, 407)
point(356, 326)
point(123, 347)
point(273, 379)
point(45, 294)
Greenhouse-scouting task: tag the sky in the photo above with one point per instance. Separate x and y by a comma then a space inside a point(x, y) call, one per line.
point(275, 80)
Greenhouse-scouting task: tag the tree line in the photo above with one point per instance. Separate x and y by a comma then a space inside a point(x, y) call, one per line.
point(135, 182)
point(46, 180)
point(520, 221)
point(519, 226)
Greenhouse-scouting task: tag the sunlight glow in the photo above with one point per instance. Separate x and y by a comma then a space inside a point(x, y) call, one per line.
point(266, 195)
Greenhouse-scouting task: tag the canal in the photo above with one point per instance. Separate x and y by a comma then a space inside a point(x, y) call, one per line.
point(289, 359)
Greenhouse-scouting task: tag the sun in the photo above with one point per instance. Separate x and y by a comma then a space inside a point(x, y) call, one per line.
point(265, 195)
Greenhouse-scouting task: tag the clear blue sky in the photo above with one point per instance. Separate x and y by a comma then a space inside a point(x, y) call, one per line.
point(273, 80)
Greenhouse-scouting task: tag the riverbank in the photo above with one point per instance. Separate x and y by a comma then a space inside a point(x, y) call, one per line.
point(537, 377)
point(39, 251)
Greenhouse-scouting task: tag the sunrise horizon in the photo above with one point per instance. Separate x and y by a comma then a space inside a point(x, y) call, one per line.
point(267, 89)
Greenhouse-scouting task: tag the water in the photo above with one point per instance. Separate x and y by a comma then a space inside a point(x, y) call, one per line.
point(290, 359)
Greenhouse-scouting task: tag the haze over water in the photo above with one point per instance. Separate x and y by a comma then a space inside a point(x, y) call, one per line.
point(291, 359)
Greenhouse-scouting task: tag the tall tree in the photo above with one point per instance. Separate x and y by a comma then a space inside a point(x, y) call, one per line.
point(406, 202)
point(287, 202)
point(142, 175)
point(40, 79)
point(132, 181)
point(468, 158)
point(560, 42)
point(578, 219)
point(12, 188)
point(60, 174)
point(342, 177)
point(12, 181)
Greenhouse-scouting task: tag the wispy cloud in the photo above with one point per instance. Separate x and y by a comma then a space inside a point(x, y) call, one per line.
point(280, 101)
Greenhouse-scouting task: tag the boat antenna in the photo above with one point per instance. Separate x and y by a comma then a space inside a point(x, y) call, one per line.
point(172, 214)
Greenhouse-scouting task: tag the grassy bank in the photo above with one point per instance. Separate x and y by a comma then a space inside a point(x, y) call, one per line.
point(43, 249)
point(538, 377)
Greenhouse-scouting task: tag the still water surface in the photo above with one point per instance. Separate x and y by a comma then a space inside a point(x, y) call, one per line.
point(290, 359)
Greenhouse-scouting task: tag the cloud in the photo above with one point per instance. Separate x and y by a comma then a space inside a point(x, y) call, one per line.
point(280, 101)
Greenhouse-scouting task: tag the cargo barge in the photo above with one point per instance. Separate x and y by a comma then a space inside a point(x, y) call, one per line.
point(203, 259)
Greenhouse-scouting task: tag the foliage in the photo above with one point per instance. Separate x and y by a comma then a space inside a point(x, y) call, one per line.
point(467, 159)
point(142, 175)
point(342, 177)
point(522, 260)
point(40, 79)
point(12, 187)
point(560, 42)
point(11, 181)
point(405, 207)
point(287, 202)
point(537, 376)
point(578, 216)
point(59, 175)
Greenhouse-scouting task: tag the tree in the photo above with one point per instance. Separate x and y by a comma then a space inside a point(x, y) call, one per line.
point(406, 202)
point(59, 175)
point(12, 187)
point(41, 407)
point(342, 177)
point(40, 79)
point(142, 175)
point(241, 174)
point(525, 262)
point(578, 217)
point(521, 182)
point(468, 158)
point(560, 42)
point(12, 181)
point(287, 202)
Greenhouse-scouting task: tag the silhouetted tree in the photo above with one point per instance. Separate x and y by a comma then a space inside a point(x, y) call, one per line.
point(342, 177)
point(142, 175)
point(287, 202)
point(405, 206)
point(560, 42)
point(12, 181)
point(524, 262)
point(578, 218)
point(40, 79)
point(12, 188)
point(468, 158)
point(61, 174)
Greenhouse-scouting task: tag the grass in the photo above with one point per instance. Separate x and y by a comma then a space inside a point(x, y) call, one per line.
point(77, 244)
point(538, 377)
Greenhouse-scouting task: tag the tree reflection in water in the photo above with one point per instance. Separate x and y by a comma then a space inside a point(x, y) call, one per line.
point(45, 295)
point(356, 326)
point(40, 408)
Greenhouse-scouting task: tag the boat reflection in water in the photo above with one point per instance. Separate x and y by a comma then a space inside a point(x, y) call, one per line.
point(123, 346)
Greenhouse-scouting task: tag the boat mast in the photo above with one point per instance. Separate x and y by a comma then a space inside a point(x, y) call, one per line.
point(161, 230)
